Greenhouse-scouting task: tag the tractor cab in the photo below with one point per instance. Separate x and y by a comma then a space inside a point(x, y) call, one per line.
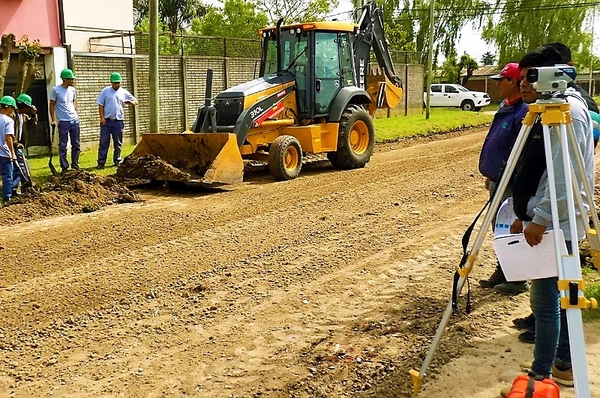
point(318, 55)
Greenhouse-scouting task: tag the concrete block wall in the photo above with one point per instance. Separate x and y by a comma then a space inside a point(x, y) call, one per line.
point(182, 89)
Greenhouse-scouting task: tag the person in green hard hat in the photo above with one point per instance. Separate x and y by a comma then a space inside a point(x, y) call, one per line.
point(7, 149)
point(111, 101)
point(63, 109)
point(26, 118)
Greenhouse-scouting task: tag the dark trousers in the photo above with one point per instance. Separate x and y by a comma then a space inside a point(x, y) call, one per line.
point(114, 129)
point(18, 178)
point(66, 130)
point(6, 170)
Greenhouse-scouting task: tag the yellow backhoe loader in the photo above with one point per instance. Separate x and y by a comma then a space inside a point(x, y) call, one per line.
point(315, 95)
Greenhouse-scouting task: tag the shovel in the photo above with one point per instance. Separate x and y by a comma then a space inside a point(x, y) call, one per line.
point(50, 165)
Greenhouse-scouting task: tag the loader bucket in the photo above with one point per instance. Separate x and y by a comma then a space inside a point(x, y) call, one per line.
point(204, 158)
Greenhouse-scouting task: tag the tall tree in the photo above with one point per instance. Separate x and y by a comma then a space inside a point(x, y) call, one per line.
point(550, 21)
point(469, 65)
point(238, 18)
point(488, 58)
point(141, 9)
point(450, 70)
point(296, 10)
point(175, 15)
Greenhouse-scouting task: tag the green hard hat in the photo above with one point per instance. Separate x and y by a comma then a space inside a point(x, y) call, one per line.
point(67, 74)
point(115, 77)
point(25, 99)
point(8, 101)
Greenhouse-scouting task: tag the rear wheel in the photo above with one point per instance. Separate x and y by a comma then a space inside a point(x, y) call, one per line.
point(356, 138)
point(285, 157)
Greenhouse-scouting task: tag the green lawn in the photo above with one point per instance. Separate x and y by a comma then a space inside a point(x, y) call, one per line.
point(87, 161)
point(440, 120)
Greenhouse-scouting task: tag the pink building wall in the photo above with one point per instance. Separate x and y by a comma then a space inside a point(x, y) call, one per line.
point(37, 19)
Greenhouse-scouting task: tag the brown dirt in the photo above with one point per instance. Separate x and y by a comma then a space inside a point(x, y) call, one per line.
point(329, 285)
point(75, 192)
point(150, 167)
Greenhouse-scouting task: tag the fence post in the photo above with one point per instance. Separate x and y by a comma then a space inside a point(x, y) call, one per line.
point(225, 65)
point(136, 117)
point(185, 92)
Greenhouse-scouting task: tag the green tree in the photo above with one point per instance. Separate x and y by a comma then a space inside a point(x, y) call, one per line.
point(175, 15)
point(141, 9)
point(469, 64)
point(549, 22)
point(296, 10)
point(450, 70)
point(488, 58)
point(238, 18)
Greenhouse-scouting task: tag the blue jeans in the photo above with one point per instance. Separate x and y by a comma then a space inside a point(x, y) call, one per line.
point(6, 169)
point(114, 129)
point(551, 331)
point(66, 130)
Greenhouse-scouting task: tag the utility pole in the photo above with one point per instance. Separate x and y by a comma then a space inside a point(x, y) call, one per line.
point(429, 59)
point(154, 120)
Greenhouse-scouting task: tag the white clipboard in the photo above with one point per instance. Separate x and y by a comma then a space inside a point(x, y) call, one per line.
point(520, 262)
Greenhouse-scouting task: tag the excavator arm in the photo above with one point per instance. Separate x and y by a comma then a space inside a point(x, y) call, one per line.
point(387, 89)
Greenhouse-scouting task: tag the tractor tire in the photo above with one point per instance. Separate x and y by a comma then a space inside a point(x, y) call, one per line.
point(285, 158)
point(356, 138)
point(467, 105)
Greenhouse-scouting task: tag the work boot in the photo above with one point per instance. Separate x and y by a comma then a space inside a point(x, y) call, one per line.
point(511, 288)
point(100, 166)
point(564, 377)
point(505, 391)
point(496, 279)
point(524, 323)
point(528, 336)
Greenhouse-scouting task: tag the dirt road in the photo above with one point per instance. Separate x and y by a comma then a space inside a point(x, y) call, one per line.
point(328, 285)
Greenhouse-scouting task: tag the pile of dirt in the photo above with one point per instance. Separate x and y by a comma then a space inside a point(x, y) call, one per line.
point(74, 192)
point(150, 168)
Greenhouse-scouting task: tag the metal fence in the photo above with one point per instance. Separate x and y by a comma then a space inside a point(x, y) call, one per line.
point(129, 42)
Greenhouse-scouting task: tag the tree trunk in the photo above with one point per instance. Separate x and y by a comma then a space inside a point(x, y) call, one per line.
point(8, 44)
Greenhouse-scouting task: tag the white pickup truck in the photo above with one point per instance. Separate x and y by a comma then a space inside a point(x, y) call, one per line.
point(455, 95)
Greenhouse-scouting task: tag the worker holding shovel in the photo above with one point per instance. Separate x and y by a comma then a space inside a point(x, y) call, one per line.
point(26, 113)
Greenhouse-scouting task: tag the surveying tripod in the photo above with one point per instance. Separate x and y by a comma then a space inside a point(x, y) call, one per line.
point(554, 112)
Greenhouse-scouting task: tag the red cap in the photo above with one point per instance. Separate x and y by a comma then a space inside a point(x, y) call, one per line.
point(510, 70)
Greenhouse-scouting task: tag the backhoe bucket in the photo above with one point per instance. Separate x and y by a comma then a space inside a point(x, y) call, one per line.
point(204, 158)
point(383, 91)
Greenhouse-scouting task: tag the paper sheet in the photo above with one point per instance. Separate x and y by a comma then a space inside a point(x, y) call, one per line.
point(521, 262)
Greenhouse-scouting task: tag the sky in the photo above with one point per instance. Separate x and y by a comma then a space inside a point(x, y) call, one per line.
point(470, 39)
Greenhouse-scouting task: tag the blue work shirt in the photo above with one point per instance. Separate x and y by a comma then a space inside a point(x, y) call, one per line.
point(500, 139)
point(112, 100)
point(7, 127)
point(64, 103)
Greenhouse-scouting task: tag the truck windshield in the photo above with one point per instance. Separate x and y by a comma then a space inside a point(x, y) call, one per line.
point(295, 54)
point(461, 88)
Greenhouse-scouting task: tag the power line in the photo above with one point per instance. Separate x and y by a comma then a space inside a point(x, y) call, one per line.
point(475, 12)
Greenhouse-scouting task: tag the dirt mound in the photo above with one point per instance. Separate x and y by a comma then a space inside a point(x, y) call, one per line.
point(152, 168)
point(75, 192)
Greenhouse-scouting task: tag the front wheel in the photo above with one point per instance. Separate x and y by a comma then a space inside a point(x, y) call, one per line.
point(467, 105)
point(356, 138)
point(285, 157)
